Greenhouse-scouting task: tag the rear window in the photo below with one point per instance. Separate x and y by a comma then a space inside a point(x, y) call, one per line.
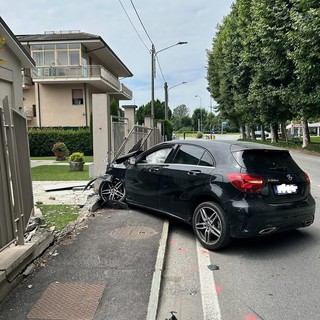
point(261, 160)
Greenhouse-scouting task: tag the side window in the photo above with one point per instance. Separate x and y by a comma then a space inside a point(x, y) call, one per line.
point(158, 156)
point(206, 160)
point(189, 155)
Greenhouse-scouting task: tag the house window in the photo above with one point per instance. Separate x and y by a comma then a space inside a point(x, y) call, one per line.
point(34, 110)
point(56, 54)
point(77, 96)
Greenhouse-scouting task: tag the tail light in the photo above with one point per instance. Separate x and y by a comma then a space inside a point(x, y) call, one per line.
point(247, 182)
point(307, 178)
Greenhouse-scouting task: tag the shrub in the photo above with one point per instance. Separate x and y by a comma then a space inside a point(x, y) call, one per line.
point(42, 140)
point(59, 147)
point(76, 157)
point(199, 135)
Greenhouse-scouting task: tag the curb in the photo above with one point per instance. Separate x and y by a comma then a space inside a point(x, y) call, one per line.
point(157, 275)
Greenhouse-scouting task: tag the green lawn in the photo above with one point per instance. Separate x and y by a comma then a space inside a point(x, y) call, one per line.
point(58, 173)
point(315, 139)
point(86, 158)
point(58, 216)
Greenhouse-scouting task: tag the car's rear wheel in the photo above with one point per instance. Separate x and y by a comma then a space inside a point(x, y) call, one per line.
point(211, 226)
point(112, 190)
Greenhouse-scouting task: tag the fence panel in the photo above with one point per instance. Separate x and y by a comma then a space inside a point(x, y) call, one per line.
point(24, 168)
point(16, 195)
point(7, 233)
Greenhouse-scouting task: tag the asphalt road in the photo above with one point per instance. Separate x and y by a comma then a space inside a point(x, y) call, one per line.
point(269, 278)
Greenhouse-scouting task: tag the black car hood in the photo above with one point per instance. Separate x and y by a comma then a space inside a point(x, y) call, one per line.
point(127, 156)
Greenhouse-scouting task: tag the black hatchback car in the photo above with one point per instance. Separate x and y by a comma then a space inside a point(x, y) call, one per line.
point(224, 189)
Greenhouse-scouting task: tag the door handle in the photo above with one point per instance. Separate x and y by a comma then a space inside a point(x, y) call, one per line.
point(194, 172)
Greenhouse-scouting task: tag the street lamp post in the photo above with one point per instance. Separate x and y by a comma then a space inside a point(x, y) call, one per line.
point(153, 69)
point(166, 97)
point(200, 111)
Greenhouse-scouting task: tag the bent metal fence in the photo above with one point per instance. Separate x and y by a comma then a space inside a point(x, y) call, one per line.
point(146, 137)
point(16, 195)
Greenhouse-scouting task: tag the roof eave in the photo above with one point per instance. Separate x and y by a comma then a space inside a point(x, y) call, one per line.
point(16, 47)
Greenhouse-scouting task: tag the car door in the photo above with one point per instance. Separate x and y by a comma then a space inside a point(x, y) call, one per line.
point(186, 176)
point(142, 178)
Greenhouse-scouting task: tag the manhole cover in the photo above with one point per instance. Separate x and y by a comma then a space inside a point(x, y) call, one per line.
point(68, 301)
point(133, 233)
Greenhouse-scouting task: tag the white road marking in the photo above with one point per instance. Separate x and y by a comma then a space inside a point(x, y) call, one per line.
point(210, 303)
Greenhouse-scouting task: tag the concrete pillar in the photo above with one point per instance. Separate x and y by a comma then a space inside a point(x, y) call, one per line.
point(129, 113)
point(101, 132)
point(148, 122)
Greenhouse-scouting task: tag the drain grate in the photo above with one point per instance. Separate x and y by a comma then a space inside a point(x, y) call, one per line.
point(68, 301)
point(133, 233)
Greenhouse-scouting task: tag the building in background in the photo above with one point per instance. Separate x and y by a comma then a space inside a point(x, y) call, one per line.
point(71, 66)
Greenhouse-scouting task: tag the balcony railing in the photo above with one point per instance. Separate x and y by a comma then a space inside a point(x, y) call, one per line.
point(26, 81)
point(76, 72)
point(126, 91)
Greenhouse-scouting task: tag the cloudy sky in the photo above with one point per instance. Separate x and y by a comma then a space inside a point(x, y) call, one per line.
point(166, 23)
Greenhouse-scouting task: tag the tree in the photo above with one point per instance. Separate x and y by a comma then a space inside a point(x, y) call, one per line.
point(179, 113)
point(114, 108)
point(227, 74)
point(272, 69)
point(304, 50)
point(159, 111)
point(167, 129)
point(199, 119)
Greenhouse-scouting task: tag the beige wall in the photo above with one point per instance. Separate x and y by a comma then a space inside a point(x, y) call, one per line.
point(56, 108)
point(28, 101)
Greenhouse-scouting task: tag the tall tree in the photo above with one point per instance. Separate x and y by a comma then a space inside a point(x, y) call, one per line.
point(273, 70)
point(179, 113)
point(159, 112)
point(304, 41)
point(199, 119)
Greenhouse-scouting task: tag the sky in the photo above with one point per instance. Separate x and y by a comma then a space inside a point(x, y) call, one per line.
point(165, 23)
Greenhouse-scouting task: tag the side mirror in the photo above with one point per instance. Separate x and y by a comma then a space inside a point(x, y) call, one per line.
point(132, 160)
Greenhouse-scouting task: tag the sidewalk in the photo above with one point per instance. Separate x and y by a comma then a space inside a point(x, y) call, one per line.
point(109, 267)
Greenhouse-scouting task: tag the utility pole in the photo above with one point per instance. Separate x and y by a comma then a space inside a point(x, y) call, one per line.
point(153, 53)
point(166, 100)
point(153, 69)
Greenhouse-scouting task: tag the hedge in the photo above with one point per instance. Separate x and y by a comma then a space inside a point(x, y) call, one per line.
point(42, 140)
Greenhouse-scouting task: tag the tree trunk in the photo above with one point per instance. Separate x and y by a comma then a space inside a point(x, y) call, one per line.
point(263, 136)
point(242, 133)
point(273, 138)
point(248, 132)
point(305, 133)
point(284, 132)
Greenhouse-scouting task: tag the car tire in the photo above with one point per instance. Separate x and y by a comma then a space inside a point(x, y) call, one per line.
point(211, 226)
point(112, 190)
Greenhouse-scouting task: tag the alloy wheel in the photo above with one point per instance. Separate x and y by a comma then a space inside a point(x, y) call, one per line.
point(112, 190)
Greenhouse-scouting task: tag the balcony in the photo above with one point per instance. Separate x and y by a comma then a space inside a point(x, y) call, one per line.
point(26, 81)
point(96, 76)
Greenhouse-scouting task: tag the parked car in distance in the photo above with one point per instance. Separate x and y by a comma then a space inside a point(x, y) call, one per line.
point(224, 189)
point(258, 135)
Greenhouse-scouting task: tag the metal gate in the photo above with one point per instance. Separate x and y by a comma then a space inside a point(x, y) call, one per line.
point(119, 130)
point(147, 137)
point(16, 194)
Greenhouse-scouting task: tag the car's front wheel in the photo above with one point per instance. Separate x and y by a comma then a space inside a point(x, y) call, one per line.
point(211, 226)
point(112, 190)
